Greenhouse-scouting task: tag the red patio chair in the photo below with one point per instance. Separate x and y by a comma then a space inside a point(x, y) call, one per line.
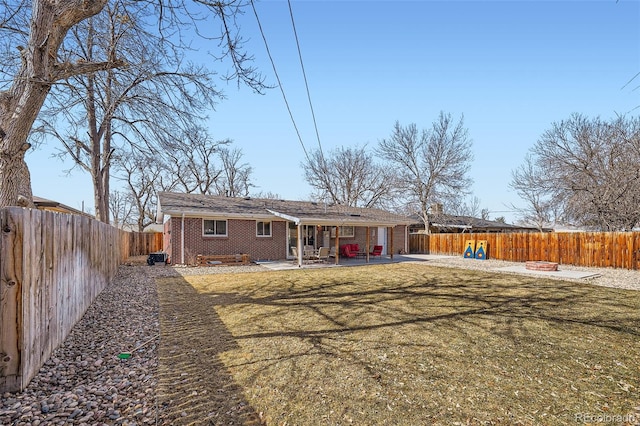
point(346, 251)
point(377, 251)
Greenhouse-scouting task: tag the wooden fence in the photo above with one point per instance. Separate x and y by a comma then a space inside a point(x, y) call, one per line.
point(593, 249)
point(52, 267)
point(139, 243)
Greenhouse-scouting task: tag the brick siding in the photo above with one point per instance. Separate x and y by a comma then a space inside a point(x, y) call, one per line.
point(241, 238)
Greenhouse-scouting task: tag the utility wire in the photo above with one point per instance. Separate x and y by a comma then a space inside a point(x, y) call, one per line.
point(275, 71)
point(304, 74)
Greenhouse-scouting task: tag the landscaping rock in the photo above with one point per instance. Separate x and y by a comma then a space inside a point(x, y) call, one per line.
point(84, 382)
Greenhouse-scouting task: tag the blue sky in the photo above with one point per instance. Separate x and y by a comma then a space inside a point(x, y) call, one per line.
point(511, 67)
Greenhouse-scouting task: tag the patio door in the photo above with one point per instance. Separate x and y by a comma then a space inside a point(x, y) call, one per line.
point(309, 237)
point(292, 238)
point(382, 238)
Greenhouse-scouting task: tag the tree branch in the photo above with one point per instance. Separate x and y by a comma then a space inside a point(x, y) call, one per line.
point(66, 70)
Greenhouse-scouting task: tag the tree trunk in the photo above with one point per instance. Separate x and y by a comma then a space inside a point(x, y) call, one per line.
point(21, 104)
point(19, 108)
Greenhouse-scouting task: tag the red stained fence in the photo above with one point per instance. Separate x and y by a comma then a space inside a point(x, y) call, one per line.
point(593, 249)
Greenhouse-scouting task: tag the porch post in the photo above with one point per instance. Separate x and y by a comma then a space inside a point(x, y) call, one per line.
point(337, 244)
point(368, 242)
point(299, 245)
point(182, 240)
point(391, 242)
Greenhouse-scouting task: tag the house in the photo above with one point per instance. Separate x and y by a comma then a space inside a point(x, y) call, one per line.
point(268, 229)
point(446, 223)
point(54, 206)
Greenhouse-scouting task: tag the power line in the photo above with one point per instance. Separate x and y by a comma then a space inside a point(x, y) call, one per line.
point(273, 65)
point(304, 74)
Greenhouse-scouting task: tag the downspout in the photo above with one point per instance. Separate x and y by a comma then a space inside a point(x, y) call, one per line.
point(182, 239)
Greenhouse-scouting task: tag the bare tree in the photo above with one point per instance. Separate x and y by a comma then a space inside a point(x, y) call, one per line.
point(236, 175)
point(537, 194)
point(432, 164)
point(348, 176)
point(139, 173)
point(146, 104)
point(465, 207)
point(37, 31)
point(196, 165)
point(589, 170)
point(202, 165)
point(192, 162)
point(121, 208)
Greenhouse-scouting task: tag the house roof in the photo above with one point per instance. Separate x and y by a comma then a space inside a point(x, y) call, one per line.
point(444, 221)
point(300, 212)
point(45, 204)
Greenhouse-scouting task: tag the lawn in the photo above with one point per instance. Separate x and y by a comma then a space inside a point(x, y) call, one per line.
point(398, 344)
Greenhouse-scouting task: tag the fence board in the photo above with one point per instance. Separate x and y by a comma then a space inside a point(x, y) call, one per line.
point(593, 249)
point(10, 301)
point(635, 251)
point(52, 267)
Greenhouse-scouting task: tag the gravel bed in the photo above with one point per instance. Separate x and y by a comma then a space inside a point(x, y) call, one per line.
point(607, 277)
point(208, 270)
point(85, 382)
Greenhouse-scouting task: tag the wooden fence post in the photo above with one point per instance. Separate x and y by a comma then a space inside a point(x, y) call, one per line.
point(10, 302)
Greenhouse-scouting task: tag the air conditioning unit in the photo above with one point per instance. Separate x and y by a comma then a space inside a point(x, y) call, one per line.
point(157, 257)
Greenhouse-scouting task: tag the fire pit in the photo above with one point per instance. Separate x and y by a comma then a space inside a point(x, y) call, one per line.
point(541, 266)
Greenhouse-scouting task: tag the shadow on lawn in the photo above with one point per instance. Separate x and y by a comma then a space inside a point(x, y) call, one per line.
point(545, 300)
point(495, 319)
point(194, 387)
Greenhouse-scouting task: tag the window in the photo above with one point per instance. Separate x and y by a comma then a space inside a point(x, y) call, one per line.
point(214, 227)
point(345, 231)
point(263, 229)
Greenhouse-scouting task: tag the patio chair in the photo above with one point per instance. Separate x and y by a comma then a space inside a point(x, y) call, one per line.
point(376, 252)
point(308, 252)
point(346, 251)
point(323, 254)
point(294, 252)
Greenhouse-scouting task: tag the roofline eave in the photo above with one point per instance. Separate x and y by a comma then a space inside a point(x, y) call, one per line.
point(338, 222)
point(198, 214)
point(271, 213)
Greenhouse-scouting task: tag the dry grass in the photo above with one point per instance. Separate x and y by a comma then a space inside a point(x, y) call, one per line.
point(403, 344)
